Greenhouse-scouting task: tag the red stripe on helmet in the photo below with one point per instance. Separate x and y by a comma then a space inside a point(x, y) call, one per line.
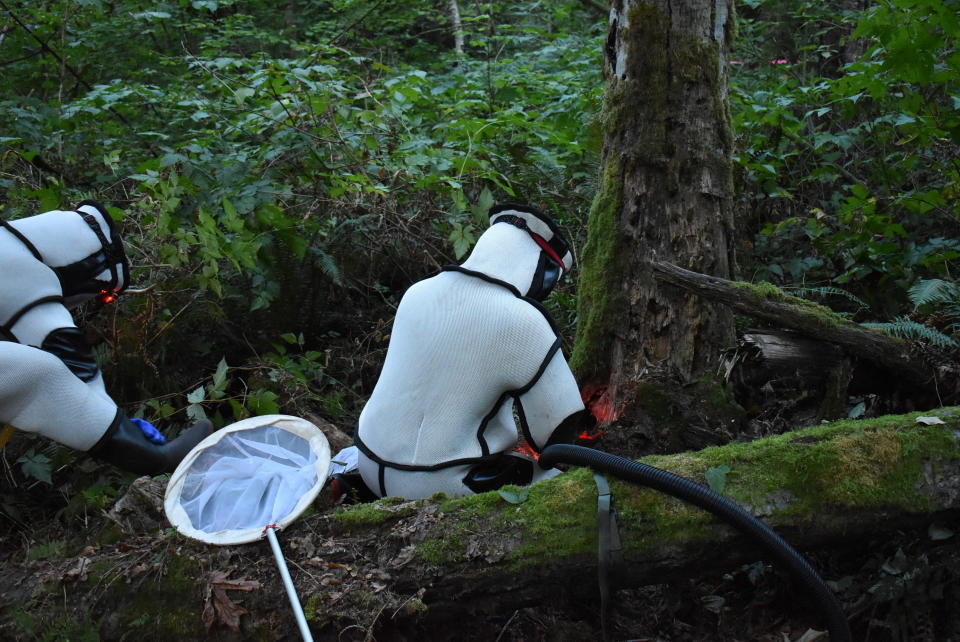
point(549, 250)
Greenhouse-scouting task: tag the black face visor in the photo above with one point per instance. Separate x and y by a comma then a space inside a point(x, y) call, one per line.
point(545, 278)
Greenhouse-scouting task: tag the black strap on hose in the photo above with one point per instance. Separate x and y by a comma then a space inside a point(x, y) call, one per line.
point(609, 549)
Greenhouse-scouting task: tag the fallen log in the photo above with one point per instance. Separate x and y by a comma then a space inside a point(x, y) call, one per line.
point(435, 565)
point(768, 303)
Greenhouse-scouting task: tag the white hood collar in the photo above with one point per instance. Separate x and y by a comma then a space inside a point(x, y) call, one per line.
point(506, 253)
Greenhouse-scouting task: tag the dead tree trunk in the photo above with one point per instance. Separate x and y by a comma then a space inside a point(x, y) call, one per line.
point(664, 192)
point(454, 10)
point(420, 566)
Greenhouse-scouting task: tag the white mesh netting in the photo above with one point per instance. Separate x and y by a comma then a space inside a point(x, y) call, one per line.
point(257, 472)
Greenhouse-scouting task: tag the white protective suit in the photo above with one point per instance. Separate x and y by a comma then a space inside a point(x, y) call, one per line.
point(50, 382)
point(469, 349)
point(46, 264)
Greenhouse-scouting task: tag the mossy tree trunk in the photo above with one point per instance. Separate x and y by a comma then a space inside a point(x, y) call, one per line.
point(664, 194)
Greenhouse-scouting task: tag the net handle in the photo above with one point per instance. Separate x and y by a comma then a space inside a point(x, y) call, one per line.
point(288, 583)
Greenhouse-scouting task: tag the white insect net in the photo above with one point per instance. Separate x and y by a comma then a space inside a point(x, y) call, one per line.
point(255, 473)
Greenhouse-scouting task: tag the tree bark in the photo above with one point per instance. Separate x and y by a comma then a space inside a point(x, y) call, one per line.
point(665, 189)
point(770, 304)
point(454, 10)
point(420, 566)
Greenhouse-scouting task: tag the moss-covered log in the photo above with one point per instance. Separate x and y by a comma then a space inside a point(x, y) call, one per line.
point(769, 303)
point(421, 565)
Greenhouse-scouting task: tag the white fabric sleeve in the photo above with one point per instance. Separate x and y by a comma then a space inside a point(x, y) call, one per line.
point(38, 393)
point(554, 397)
point(34, 326)
point(98, 386)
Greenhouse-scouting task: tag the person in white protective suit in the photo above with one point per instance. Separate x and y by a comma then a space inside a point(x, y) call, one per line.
point(50, 382)
point(470, 347)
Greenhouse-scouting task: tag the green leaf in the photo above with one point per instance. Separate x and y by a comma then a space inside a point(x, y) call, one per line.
point(514, 497)
point(151, 15)
point(717, 478)
point(243, 93)
point(197, 396)
point(220, 376)
point(462, 239)
point(196, 412)
point(482, 207)
point(228, 208)
point(263, 402)
point(857, 411)
point(36, 465)
point(938, 532)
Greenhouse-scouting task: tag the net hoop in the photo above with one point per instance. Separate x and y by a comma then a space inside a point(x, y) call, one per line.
point(179, 517)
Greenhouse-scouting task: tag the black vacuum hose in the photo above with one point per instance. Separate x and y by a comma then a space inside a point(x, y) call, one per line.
point(705, 498)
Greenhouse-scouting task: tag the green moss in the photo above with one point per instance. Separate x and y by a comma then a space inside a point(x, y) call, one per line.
point(99, 570)
point(557, 519)
point(412, 607)
point(171, 603)
point(846, 465)
point(166, 606)
point(657, 519)
point(360, 516)
point(36, 621)
point(826, 317)
point(439, 551)
point(110, 534)
point(865, 464)
point(313, 607)
point(83, 629)
point(601, 304)
point(480, 504)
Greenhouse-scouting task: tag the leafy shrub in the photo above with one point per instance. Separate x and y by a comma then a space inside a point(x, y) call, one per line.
point(846, 167)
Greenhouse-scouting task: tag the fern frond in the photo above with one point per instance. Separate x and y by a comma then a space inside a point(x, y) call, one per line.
point(328, 265)
point(904, 328)
point(929, 291)
point(827, 290)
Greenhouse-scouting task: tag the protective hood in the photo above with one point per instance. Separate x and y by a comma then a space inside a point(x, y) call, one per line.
point(523, 247)
point(82, 247)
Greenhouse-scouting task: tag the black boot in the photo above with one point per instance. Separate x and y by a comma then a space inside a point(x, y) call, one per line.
point(125, 446)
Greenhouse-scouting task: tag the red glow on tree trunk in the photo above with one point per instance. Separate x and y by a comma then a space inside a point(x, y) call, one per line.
point(588, 437)
point(597, 399)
